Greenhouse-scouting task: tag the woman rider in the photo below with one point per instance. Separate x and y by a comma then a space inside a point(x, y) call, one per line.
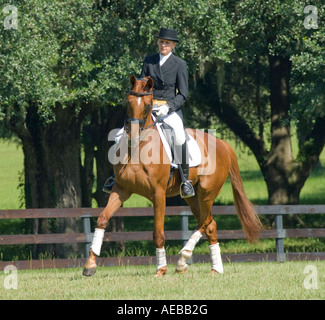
point(170, 91)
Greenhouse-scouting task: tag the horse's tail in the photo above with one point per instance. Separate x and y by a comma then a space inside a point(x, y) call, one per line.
point(248, 217)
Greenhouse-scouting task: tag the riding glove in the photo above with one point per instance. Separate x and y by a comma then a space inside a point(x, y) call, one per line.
point(162, 110)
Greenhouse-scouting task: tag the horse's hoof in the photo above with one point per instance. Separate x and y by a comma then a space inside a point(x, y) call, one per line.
point(161, 272)
point(214, 272)
point(88, 272)
point(182, 270)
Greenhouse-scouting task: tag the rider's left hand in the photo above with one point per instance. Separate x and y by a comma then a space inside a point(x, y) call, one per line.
point(163, 110)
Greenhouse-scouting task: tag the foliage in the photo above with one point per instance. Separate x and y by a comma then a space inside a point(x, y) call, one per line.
point(276, 27)
point(62, 53)
point(204, 31)
point(36, 56)
point(308, 82)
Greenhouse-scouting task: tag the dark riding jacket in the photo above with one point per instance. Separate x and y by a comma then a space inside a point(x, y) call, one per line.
point(170, 80)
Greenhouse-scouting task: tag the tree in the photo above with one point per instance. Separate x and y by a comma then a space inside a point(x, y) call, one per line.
point(63, 63)
point(274, 33)
point(42, 101)
point(263, 90)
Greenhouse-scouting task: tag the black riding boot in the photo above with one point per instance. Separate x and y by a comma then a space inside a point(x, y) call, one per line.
point(109, 184)
point(186, 188)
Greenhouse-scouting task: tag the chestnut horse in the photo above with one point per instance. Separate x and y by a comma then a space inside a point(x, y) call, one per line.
point(152, 180)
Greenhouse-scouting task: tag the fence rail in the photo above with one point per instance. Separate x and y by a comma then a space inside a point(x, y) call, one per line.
point(279, 233)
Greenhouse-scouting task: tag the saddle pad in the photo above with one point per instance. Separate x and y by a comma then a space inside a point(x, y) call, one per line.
point(193, 148)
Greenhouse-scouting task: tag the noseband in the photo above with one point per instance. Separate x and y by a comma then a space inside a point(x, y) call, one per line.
point(141, 122)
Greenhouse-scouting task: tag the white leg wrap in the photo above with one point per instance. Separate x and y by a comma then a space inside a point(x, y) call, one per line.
point(191, 243)
point(97, 241)
point(161, 258)
point(184, 255)
point(216, 262)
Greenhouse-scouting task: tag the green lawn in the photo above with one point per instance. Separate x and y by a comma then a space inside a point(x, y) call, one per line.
point(266, 280)
point(11, 165)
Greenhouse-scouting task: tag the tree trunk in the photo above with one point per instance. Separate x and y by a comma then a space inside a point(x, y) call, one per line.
point(62, 159)
point(280, 165)
point(36, 195)
point(52, 172)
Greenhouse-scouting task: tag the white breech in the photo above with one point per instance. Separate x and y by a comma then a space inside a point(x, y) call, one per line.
point(215, 255)
point(176, 123)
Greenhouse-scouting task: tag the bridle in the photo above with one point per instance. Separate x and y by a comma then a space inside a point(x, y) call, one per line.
point(141, 122)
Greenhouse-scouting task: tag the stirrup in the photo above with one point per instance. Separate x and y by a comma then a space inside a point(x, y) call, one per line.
point(186, 190)
point(109, 184)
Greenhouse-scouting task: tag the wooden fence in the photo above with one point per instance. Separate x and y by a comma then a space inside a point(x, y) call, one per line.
point(279, 234)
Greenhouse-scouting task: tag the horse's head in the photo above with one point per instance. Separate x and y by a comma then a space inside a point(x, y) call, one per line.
point(139, 105)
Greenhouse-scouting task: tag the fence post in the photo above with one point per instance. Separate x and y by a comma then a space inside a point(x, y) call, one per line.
point(281, 234)
point(87, 231)
point(185, 231)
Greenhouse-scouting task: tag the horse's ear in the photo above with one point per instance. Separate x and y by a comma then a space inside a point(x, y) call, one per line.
point(150, 83)
point(133, 80)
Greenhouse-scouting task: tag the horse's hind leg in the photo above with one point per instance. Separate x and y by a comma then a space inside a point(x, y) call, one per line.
point(117, 197)
point(215, 255)
point(210, 228)
point(206, 224)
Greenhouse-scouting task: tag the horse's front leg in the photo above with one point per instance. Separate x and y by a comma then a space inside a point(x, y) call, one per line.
point(117, 197)
point(159, 205)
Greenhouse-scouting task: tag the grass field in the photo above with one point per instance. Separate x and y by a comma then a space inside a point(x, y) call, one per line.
point(11, 164)
point(266, 280)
